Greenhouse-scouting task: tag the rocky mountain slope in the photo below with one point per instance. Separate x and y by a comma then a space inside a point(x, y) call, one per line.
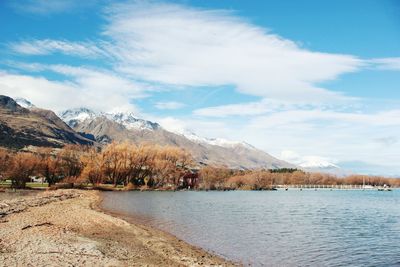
point(20, 126)
point(106, 127)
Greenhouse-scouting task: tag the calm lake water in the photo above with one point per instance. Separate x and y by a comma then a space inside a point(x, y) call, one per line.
point(276, 228)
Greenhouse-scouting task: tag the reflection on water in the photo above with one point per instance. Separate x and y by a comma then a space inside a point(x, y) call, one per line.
point(323, 228)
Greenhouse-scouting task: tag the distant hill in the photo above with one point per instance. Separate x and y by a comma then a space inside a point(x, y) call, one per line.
point(20, 126)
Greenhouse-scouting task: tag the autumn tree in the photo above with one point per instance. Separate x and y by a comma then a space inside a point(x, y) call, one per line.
point(151, 165)
point(171, 164)
point(141, 163)
point(115, 161)
point(5, 157)
point(93, 167)
point(71, 164)
point(22, 166)
point(49, 165)
point(214, 177)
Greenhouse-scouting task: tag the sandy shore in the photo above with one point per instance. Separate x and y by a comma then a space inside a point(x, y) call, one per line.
point(65, 228)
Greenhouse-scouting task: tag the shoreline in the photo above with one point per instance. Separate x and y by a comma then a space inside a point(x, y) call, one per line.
point(74, 230)
point(136, 221)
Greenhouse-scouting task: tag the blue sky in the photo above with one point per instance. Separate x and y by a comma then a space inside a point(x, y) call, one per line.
point(302, 80)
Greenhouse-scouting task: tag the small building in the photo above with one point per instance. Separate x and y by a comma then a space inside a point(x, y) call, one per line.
point(189, 180)
point(37, 179)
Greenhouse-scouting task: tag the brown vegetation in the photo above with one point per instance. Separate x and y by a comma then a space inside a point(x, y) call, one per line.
point(21, 167)
point(117, 164)
point(224, 179)
point(152, 166)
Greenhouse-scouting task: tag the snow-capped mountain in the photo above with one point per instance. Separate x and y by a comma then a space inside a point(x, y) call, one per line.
point(108, 127)
point(131, 122)
point(24, 103)
point(212, 141)
point(311, 163)
point(317, 162)
point(75, 116)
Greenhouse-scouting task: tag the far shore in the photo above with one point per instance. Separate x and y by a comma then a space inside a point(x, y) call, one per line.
point(67, 228)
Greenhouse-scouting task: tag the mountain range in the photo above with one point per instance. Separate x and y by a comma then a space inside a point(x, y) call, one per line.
point(106, 127)
point(23, 124)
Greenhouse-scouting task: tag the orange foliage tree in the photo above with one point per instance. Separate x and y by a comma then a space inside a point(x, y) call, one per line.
point(22, 166)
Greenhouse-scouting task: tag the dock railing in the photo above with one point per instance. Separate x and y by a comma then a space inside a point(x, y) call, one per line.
point(336, 187)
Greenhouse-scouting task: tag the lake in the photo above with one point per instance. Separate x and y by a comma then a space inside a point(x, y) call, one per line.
point(276, 228)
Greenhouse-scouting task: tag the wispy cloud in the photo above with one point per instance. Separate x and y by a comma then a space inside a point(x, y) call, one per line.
point(265, 106)
point(169, 105)
point(386, 118)
point(45, 7)
point(82, 87)
point(47, 46)
point(179, 45)
point(386, 63)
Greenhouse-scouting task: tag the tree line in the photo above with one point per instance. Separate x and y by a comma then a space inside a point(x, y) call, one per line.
point(154, 167)
point(220, 178)
point(118, 164)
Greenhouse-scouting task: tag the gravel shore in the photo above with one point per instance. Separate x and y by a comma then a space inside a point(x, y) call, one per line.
point(65, 228)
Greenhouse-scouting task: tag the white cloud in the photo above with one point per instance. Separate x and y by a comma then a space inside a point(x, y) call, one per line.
point(90, 88)
point(169, 105)
point(173, 124)
point(387, 140)
point(45, 7)
point(203, 128)
point(242, 109)
point(386, 63)
point(178, 45)
point(265, 106)
point(48, 46)
point(343, 136)
point(182, 46)
point(386, 118)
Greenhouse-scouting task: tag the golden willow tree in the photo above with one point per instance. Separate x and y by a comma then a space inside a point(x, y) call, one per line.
point(126, 163)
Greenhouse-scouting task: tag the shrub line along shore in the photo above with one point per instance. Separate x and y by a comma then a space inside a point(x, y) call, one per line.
point(151, 167)
point(68, 228)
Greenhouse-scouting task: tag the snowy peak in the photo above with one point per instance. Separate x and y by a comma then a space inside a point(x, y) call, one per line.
point(75, 116)
point(308, 162)
point(213, 141)
point(317, 163)
point(131, 122)
point(24, 103)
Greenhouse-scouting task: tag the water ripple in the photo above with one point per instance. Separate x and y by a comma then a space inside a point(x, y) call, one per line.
point(284, 228)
